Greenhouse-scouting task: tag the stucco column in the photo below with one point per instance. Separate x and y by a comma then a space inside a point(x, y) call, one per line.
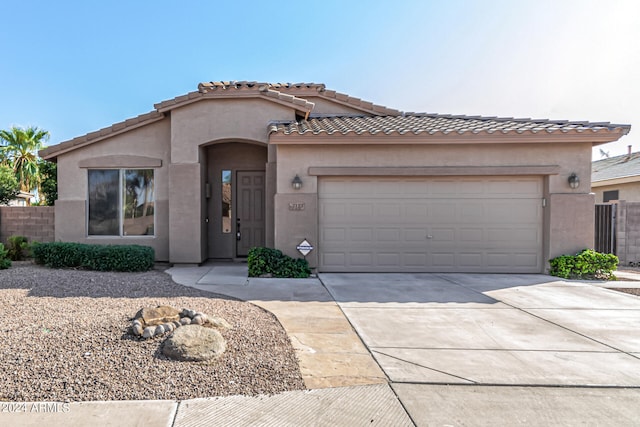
point(571, 223)
point(185, 213)
point(270, 191)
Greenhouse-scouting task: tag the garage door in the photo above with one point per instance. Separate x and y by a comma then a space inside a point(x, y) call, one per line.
point(465, 224)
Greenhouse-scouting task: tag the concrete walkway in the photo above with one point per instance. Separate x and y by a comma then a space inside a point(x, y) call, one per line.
point(329, 351)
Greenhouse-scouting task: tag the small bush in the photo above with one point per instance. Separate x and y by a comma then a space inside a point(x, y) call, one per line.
point(5, 262)
point(94, 257)
point(587, 264)
point(267, 261)
point(18, 248)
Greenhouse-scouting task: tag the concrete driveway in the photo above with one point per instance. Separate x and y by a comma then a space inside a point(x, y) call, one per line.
point(493, 329)
point(471, 349)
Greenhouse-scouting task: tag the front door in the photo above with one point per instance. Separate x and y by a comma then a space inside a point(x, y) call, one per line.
point(250, 211)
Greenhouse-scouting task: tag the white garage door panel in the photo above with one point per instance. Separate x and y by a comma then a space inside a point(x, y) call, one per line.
point(474, 224)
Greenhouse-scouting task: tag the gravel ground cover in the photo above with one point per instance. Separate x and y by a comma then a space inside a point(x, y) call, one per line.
point(632, 291)
point(65, 337)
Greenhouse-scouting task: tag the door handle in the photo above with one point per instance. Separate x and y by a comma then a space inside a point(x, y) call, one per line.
point(238, 233)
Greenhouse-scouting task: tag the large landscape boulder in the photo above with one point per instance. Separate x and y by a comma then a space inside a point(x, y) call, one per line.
point(194, 343)
point(153, 316)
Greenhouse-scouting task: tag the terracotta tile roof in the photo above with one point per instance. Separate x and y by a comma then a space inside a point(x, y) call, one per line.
point(412, 123)
point(624, 166)
point(301, 90)
point(288, 92)
point(235, 89)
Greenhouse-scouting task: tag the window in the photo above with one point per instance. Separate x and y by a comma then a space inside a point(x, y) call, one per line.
point(226, 201)
point(607, 196)
point(121, 202)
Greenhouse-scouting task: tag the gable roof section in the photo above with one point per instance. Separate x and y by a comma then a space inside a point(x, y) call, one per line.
point(90, 138)
point(294, 93)
point(288, 94)
point(620, 168)
point(218, 90)
point(446, 125)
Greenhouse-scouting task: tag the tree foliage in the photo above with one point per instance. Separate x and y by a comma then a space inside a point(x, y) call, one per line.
point(48, 181)
point(8, 185)
point(19, 150)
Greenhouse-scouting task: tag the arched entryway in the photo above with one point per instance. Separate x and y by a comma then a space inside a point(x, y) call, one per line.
point(235, 192)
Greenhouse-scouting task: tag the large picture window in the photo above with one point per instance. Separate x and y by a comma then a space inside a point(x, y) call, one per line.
point(121, 202)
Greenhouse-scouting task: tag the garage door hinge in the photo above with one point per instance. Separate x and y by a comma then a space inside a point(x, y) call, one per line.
point(544, 202)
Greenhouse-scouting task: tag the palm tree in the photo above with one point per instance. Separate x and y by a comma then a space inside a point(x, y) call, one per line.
point(19, 150)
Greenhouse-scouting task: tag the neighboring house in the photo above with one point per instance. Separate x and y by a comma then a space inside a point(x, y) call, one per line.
point(616, 178)
point(210, 174)
point(22, 199)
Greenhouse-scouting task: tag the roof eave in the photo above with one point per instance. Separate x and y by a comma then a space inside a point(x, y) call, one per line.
point(600, 137)
point(616, 181)
point(50, 153)
point(296, 103)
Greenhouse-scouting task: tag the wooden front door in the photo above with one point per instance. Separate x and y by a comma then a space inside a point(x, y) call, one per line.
point(250, 211)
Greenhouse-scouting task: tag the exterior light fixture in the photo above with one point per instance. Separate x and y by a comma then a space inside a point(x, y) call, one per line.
point(574, 181)
point(296, 183)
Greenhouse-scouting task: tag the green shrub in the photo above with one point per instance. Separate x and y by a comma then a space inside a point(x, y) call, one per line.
point(94, 257)
point(18, 248)
point(5, 262)
point(587, 264)
point(267, 261)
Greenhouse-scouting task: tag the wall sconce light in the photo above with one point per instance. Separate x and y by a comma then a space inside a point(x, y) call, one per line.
point(574, 181)
point(296, 183)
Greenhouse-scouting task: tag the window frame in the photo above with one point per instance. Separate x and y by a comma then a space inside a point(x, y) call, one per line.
point(120, 208)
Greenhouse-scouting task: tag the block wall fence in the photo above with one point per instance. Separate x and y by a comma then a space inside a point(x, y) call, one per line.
point(36, 223)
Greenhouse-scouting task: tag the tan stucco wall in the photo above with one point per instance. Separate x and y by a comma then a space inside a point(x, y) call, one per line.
point(182, 140)
point(151, 141)
point(577, 224)
point(628, 191)
point(193, 127)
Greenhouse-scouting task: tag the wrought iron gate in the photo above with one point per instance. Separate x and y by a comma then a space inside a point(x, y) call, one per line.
point(605, 235)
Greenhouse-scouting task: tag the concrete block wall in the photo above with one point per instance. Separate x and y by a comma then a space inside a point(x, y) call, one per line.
point(36, 223)
point(628, 232)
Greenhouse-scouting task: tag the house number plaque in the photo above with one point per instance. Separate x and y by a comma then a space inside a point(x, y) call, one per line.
point(296, 206)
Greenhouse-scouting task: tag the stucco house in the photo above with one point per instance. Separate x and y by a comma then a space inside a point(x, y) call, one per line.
point(617, 178)
point(233, 165)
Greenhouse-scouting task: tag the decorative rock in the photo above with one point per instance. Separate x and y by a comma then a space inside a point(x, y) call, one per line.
point(177, 324)
point(151, 316)
point(218, 322)
point(197, 320)
point(168, 327)
point(159, 330)
point(137, 329)
point(194, 343)
point(185, 321)
point(148, 332)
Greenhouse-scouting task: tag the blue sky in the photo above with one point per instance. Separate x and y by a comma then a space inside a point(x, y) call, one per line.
point(73, 67)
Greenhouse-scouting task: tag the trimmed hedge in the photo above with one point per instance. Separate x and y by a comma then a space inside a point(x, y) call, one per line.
point(587, 264)
point(267, 261)
point(94, 257)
